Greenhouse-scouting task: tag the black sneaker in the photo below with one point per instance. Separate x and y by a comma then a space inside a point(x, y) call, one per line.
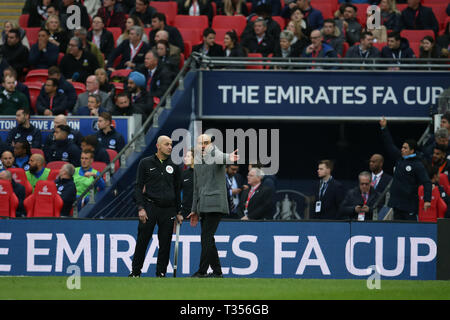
point(160, 275)
point(199, 275)
point(134, 275)
point(214, 275)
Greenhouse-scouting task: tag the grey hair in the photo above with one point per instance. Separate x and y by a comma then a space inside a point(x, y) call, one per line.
point(78, 40)
point(261, 19)
point(70, 169)
point(441, 133)
point(365, 174)
point(259, 173)
point(138, 29)
point(287, 34)
point(81, 30)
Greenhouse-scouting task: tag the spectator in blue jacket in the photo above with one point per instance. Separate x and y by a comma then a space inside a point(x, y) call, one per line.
point(90, 143)
point(63, 149)
point(107, 135)
point(43, 54)
point(24, 131)
point(317, 48)
point(314, 17)
point(51, 101)
point(397, 49)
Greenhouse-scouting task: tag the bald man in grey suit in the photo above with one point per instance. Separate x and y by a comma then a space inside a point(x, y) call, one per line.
point(210, 200)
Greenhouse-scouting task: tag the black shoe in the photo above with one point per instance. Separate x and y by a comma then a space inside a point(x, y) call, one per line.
point(160, 275)
point(134, 275)
point(214, 275)
point(199, 275)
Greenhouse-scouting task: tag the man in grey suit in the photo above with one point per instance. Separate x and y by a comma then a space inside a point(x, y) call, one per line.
point(210, 200)
point(93, 86)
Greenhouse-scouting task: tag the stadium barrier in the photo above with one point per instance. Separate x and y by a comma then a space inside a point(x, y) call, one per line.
point(302, 249)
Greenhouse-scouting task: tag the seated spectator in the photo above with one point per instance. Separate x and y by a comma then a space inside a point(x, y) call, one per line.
point(24, 130)
point(22, 154)
point(11, 99)
point(19, 191)
point(19, 85)
point(318, 49)
point(10, 25)
point(349, 25)
point(136, 89)
point(66, 188)
point(81, 33)
point(15, 53)
point(66, 12)
point(284, 48)
point(232, 47)
point(209, 47)
point(390, 16)
point(107, 135)
point(441, 137)
point(7, 159)
point(359, 202)
point(444, 41)
point(157, 80)
point(233, 8)
point(256, 201)
point(53, 10)
point(364, 49)
point(173, 51)
point(438, 207)
point(90, 143)
point(397, 49)
point(260, 41)
point(62, 149)
point(272, 28)
point(112, 14)
point(37, 10)
point(170, 61)
point(51, 101)
point(159, 23)
point(64, 87)
point(43, 54)
point(300, 41)
point(195, 8)
point(92, 87)
point(131, 22)
point(37, 170)
point(332, 36)
point(132, 51)
point(101, 37)
point(74, 136)
point(439, 159)
point(124, 107)
point(429, 49)
point(298, 18)
point(104, 84)
point(58, 36)
point(85, 175)
point(314, 17)
point(93, 107)
point(379, 32)
point(418, 17)
point(144, 12)
point(78, 64)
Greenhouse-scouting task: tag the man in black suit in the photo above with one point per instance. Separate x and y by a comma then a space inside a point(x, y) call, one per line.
point(329, 194)
point(101, 37)
point(359, 202)
point(418, 17)
point(159, 23)
point(379, 179)
point(209, 47)
point(257, 199)
point(234, 188)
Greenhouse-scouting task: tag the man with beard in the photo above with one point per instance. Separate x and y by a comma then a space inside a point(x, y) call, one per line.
point(51, 101)
point(37, 170)
point(11, 99)
point(7, 159)
point(63, 149)
point(136, 89)
point(441, 137)
point(24, 130)
point(22, 154)
point(15, 53)
point(439, 159)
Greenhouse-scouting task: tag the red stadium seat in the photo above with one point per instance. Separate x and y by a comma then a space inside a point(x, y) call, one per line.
point(121, 73)
point(257, 55)
point(38, 151)
point(443, 181)
point(79, 87)
point(192, 35)
point(380, 45)
point(416, 35)
point(214, 8)
point(34, 88)
point(99, 166)
point(326, 9)
point(55, 164)
point(280, 20)
point(147, 31)
point(119, 87)
point(53, 175)
point(401, 6)
point(23, 20)
point(8, 199)
point(439, 10)
point(415, 46)
point(169, 8)
point(249, 6)
point(60, 56)
point(238, 23)
point(345, 47)
point(181, 61)
point(19, 176)
point(116, 33)
point(112, 154)
point(32, 35)
point(45, 201)
point(191, 22)
point(333, 3)
point(220, 34)
point(37, 75)
point(361, 14)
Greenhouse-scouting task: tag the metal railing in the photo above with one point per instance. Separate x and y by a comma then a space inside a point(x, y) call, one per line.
point(138, 140)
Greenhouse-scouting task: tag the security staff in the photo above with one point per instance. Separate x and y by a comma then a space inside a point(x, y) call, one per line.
point(107, 135)
point(62, 149)
point(157, 194)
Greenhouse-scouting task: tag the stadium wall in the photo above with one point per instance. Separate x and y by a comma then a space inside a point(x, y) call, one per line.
point(304, 249)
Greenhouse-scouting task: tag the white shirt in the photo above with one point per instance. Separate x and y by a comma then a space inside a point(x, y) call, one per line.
point(377, 177)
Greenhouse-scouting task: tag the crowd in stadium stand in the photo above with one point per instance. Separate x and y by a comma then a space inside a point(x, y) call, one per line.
point(123, 55)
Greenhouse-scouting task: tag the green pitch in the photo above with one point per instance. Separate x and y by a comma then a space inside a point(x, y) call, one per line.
point(217, 289)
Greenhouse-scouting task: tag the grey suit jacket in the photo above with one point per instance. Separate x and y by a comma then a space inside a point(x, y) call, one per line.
point(210, 190)
point(82, 101)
